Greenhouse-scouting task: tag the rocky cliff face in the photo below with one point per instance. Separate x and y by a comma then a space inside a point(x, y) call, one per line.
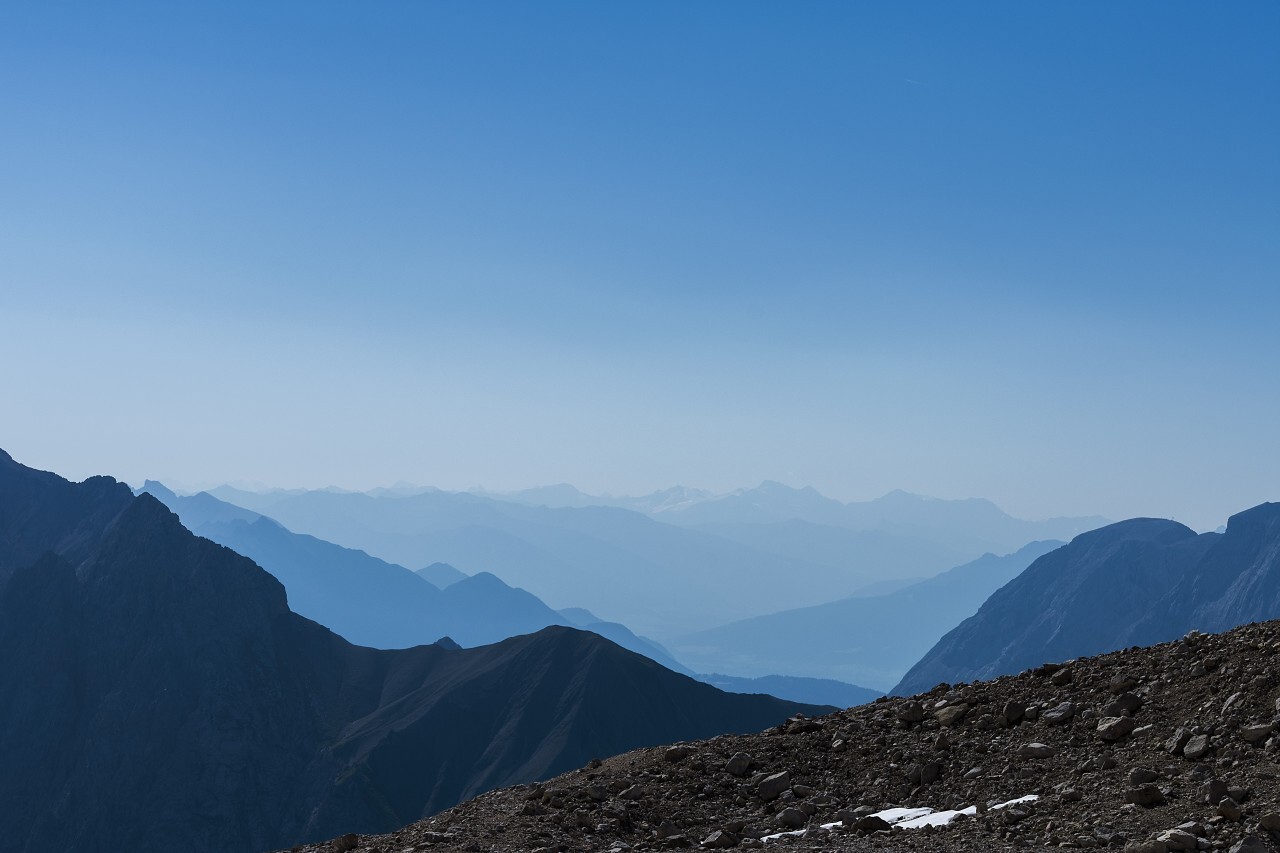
point(1148, 750)
point(1137, 582)
point(159, 694)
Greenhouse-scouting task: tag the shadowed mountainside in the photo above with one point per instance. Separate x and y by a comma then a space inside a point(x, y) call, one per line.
point(160, 695)
point(1136, 582)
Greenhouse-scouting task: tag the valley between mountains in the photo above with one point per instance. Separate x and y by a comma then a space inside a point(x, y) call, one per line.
point(185, 672)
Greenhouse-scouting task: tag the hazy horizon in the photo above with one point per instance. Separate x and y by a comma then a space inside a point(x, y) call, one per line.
point(1019, 252)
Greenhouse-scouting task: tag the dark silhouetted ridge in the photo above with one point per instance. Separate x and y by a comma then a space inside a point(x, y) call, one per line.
point(159, 694)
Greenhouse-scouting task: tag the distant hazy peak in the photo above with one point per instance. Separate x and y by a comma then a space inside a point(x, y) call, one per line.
point(159, 490)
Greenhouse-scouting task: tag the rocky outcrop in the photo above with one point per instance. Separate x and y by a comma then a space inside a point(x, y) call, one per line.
point(1097, 783)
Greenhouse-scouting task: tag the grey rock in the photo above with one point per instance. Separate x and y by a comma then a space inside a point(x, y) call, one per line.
point(1122, 683)
point(1178, 839)
point(1036, 750)
point(1230, 809)
point(911, 712)
point(675, 754)
point(343, 843)
point(739, 764)
point(1060, 714)
point(1142, 775)
point(792, 817)
point(1250, 844)
point(1124, 705)
point(1150, 846)
point(1257, 732)
point(1214, 791)
point(1197, 747)
point(871, 823)
point(951, 714)
point(772, 786)
point(1144, 795)
point(1014, 712)
point(720, 840)
point(1114, 728)
point(1177, 742)
point(1270, 821)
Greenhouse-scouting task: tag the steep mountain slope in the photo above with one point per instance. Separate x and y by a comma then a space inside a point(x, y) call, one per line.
point(1136, 582)
point(871, 641)
point(160, 695)
point(1150, 750)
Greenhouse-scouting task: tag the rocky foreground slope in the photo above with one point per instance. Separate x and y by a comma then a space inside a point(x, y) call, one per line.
point(1168, 748)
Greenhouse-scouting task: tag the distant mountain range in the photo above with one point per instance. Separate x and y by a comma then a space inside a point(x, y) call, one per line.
point(375, 603)
point(160, 695)
point(869, 640)
point(670, 563)
point(1138, 582)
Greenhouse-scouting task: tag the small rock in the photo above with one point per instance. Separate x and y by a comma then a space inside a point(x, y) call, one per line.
point(951, 714)
point(1036, 750)
point(1270, 821)
point(1122, 683)
point(1142, 775)
point(1124, 705)
point(343, 843)
point(1214, 791)
point(675, 754)
point(1250, 844)
point(1178, 742)
point(1014, 712)
point(1197, 747)
point(1060, 713)
point(1178, 839)
point(720, 840)
point(1151, 846)
point(1061, 678)
point(739, 764)
point(792, 817)
point(1144, 795)
point(911, 712)
point(1230, 809)
point(1256, 733)
point(871, 823)
point(771, 787)
point(1114, 728)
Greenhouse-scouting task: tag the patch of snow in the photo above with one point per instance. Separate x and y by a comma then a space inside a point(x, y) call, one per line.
point(903, 818)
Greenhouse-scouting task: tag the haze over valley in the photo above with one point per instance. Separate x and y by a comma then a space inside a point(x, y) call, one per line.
point(562, 427)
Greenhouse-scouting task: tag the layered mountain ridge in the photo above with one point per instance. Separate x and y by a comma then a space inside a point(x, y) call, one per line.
point(1135, 582)
point(160, 695)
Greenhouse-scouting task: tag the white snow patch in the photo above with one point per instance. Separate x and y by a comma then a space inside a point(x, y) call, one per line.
point(902, 818)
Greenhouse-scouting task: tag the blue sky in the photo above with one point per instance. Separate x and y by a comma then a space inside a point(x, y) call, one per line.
point(1022, 251)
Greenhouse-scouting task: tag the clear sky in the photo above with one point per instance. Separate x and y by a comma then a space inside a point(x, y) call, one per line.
point(1024, 251)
